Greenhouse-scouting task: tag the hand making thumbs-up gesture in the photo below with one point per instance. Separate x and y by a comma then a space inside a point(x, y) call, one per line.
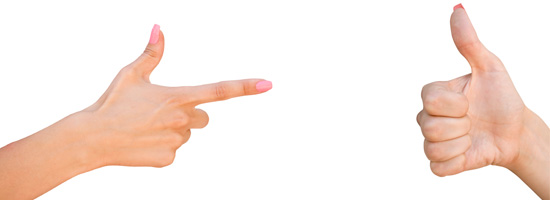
point(479, 119)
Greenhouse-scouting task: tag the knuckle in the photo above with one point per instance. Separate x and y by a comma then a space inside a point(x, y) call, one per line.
point(173, 101)
point(179, 119)
point(128, 70)
point(221, 91)
point(464, 105)
point(185, 137)
point(429, 87)
point(165, 159)
point(246, 90)
point(183, 120)
point(437, 169)
point(431, 129)
point(471, 47)
point(150, 53)
point(432, 101)
point(175, 140)
point(468, 141)
point(467, 124)
point(419, 117)
point(425, 88)
point(433, 152)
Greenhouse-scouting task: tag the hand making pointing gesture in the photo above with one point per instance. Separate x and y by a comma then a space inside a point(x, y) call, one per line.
point(134, 123)
point(152, 121)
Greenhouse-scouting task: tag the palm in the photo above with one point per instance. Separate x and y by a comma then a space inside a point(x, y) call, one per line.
point(495, 109)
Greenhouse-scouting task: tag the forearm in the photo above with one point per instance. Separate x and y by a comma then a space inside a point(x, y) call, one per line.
point(36, 164)
point(533, 163)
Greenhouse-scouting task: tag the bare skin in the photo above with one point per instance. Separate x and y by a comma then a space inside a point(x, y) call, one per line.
point(479, 119)
point(134, 123)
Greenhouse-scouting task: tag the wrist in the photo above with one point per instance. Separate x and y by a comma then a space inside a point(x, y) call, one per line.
point(534, 143)
point(533, 160)
point(74, 136)
point(48, 158)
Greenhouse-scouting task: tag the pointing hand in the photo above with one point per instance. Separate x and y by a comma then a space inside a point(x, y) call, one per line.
point(137, 123)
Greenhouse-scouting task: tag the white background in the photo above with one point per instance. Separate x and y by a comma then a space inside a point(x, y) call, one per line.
point(338, 124)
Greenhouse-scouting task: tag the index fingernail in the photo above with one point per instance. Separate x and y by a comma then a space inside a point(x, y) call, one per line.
point(264, 86)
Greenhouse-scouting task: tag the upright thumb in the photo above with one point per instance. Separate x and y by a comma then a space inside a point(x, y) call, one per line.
point(467, 42)
point(150, 58)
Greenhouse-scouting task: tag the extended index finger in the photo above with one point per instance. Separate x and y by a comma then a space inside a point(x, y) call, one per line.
point(226, 90)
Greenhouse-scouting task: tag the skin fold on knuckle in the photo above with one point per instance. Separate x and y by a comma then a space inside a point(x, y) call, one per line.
point(471, 48)
point(221, 91)
point(247, 88)
point(150, 53)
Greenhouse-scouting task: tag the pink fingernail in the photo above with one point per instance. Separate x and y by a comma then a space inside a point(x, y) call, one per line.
point(264, 86)
point(154, 34)
point(458, 6)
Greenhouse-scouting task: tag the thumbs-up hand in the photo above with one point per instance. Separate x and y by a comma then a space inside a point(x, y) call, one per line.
point(136, 123)
point(479, 119)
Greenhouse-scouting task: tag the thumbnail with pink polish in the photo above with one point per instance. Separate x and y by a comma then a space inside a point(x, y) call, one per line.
point(154, 34)
point(458, 6)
